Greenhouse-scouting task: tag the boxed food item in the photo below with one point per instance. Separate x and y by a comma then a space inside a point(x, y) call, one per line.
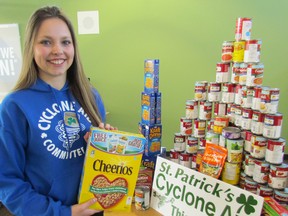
point(111, 168)
point(272, 207)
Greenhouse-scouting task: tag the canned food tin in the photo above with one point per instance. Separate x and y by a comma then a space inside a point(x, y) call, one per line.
point(220, 109)
point(212, 137)
point(281, 197)
point(250, 185)
point(272, 126)
point(222, 72)
point(249, 165)
point(235, 150)
point(202, 143)
point(247, 114)
point(243, 73)
point(256, 100)
point(247, 141)
point(200, 90)
point(238, 54)
point(231, 133)
point(228, 93)
point(210, 124)
point(191, 109)
point(179, 142)
point(185, 126)
point(199, 156)
point(242, 180)
point(247, 96)
point(199, 128)
point(185, 160)
point(264, 191)
point(142, 198)
point(214, 91)
point(269, 100)
point(192, 145)
point(205, 110)
point(261, 171)
point(258, 146)
point(252, 50)
point(238, 94)
point(275, 151)
point(227, 51)
point(278, 176)
point(174, 156)
point(238, 115)
point(231, 113)
point(231, 173)
point(193, 161)
point(235, 72)
point(243, 28)
point(254, 74)
point(257, 123)
point(220, 122)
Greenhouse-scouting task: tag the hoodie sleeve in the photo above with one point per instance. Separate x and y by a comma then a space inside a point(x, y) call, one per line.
point(100, 104)
point(16, 193)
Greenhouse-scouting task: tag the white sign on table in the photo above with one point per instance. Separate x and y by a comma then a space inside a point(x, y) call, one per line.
point(180, 191)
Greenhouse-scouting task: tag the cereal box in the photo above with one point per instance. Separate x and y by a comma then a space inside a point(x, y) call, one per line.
point(111, 168)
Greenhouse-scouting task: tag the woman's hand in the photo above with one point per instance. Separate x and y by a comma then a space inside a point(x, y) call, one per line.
point(83, 208)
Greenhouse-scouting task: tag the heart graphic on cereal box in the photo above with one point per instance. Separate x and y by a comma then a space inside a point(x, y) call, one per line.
point(108, 193)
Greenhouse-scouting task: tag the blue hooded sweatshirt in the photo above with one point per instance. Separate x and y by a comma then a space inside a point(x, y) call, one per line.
point(42, 150)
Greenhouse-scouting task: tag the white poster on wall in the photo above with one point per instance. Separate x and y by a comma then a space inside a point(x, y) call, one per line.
point(10, 57)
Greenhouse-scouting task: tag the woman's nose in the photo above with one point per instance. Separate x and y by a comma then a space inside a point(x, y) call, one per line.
point(57, 49)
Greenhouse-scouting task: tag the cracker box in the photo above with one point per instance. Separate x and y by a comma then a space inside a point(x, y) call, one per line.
point(111, 168)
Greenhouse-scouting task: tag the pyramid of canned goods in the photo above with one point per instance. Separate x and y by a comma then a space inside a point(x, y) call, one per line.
point(239, 114)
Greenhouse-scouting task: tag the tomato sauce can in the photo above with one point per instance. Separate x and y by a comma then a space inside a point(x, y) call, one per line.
point(142, 197)
point(238, 54)
point(252, 51)
point(199, 128)
point(249, 164)
point(243, 28)
point(269, 100)
point(227, 51)
point(272, 125)
point(275, 151)
point(185, 160)
point(174, 156)
point(191, 109)
point(220, 109)
point(258, 146)
point(179, 142)
point(238, 115)
point(243, 73)
point(247, 114)
point(257, 123)
point(222, 72)
point(256, 100)
point(200, 90)
point(247, 141)
point(264, 190)
point(192, 145)
point(254, 74)
point(238, 94)
point(278, 176)
point(214, 92)
point(231, 173)
point(247, 96)
point(228, 93)
point(235, 72)
point(261, 171)
point(205, 110)
point(185, 126)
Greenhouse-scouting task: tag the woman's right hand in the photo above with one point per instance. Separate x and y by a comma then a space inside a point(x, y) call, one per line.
point(83, 208)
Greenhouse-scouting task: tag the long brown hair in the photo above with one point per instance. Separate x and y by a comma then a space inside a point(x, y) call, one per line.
point(78, 82)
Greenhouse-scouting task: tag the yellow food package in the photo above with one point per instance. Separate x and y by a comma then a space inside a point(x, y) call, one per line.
point(111, 167)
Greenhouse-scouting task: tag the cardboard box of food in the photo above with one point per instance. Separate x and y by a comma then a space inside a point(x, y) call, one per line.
point(111, 168)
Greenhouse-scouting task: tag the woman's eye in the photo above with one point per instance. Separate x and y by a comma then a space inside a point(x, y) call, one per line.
point(45, 42)
point(66, 42)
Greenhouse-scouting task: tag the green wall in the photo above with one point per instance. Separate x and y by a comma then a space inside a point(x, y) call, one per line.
point(186, 35)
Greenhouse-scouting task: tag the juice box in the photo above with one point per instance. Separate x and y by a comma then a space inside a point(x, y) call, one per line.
point(111, 167)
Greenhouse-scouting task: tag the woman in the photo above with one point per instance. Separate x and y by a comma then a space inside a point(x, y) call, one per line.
point(45, 120)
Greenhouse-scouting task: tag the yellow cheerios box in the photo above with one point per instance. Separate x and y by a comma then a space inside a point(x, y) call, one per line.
point(111, 168)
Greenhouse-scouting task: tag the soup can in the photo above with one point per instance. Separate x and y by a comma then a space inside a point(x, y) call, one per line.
point(235, 72)
point(142, 197)
point(192, 145)
point(185, 160)
point(264, 190)
point(261, 171)
point(242, 180)
point(269, 100)
point(193, 161)
point(222, 72)
point(202, 143)
point(191, 109)
point(243, 73)
point(238, 54)
point(243, 28)
point(205, 110)
point(278, 176)
point(250, 185)
point(199, 128)
point(228, 93)
point(174, 156)
point(258, 146)
point(179, 142)
point(210, 124)
point(212, 137)
point(257, 123)
point(220, 122)
point(249, 165)
point(220, 109)
point(256, 99)
point(247, 141)
point(231, 173)
point(185, 126)
point(199, 157)
point(227, 51)
point(247, 96)
point(235, 150)
point(214, 92)
point(231, 113)
point(252, 50)
point(254, 74)
point(238, 115)
point(275, 151)
point(200, 90)
point(272, 126)
point(247, 114)
point(238, 94)
point(231, 133)
point(281, 197)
